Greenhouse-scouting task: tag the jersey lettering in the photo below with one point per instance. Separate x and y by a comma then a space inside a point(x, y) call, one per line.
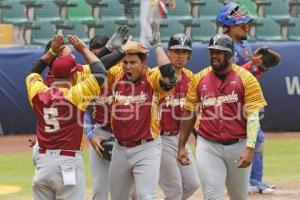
point(50, 117)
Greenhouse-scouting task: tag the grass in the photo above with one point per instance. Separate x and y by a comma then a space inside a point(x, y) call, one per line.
point(282, 160)
point(281, 164)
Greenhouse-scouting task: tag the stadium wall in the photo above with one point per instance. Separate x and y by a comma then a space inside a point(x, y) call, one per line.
point(281, 87)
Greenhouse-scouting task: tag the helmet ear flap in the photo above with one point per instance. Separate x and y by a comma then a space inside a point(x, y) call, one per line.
point(228, 55)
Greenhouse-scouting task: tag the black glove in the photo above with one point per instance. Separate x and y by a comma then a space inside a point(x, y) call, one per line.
point(270, 58)
point(118, 38)
point(108, 144)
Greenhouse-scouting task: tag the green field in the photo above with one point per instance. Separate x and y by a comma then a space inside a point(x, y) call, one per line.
point(282, 163)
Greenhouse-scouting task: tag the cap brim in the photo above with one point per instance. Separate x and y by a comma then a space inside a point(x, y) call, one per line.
point(217, 47)
point(180, 47)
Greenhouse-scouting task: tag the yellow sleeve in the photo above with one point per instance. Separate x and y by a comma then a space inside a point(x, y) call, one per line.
point(83, 74)
point(252, 128)
point(35, 85)
point(192, 99)
point(113, 74)
point(84, 92)
point(188, 73)
point(253, 98)
point(153, 77)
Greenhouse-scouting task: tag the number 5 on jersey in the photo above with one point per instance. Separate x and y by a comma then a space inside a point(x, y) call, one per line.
point(50, 117)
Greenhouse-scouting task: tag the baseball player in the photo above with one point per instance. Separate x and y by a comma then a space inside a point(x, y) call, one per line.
point(176, 181)
point(137, 154)
point(236, 20)
point(101, 110)
point(59, 110)
point(98, 166)
point(230, 99)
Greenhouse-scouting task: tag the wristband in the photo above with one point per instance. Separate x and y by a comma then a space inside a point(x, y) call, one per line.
point(53, 53)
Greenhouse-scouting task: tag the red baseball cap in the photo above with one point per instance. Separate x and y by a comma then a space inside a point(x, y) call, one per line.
point(64, 66)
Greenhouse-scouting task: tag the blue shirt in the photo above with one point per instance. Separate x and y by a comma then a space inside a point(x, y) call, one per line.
point(242, 52)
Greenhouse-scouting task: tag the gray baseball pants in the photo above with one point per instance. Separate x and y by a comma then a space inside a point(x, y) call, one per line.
point(58, 177)
point(217, 168)
point(178, 182)
point(139, 164)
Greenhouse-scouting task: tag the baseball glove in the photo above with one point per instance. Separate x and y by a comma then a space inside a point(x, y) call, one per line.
point(108, 144)
point(270, 58)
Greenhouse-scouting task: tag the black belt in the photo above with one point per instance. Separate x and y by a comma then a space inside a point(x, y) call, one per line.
point(169, 133)
point(230, 142)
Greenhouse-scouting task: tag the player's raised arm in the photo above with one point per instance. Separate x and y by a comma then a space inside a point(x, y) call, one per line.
point(57, 46)
point(168, 79)
point(97, 67)
point(129, 47)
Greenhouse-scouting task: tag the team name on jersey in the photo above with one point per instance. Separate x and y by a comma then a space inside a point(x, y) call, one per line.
point(172, 101)
point(218, 101)
point(104, 100)
point(126, 100)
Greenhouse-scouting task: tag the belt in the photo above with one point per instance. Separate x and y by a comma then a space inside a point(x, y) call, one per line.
point(169, 133)
point(133, 144)
point(230, 142)
point(61, 152)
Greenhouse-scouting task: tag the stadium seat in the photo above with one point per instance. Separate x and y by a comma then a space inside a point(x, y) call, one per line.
point(181, 11)
point(63, 5)
point(107, 28)
point(260, 6)
point(294, 31)
point(210, 9)
point(3, 5)
point(269, 31)
point(82, 12)
point(114, 11)
point(44, 34)
point(294, 6)
point(132, 8)
point(47, 12)
point(16, 14)
point(135, 28)
point(75, 28)
point(169, 27)
point(204, 31)
point(278, 10)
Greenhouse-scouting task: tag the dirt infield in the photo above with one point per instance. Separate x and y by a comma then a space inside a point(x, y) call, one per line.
point(284, 191)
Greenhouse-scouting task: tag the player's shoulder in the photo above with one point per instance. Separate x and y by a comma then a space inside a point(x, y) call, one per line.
point(242, 73)
point(203, 73)
point(32, 77)
point(188, 73)
point(245, 76)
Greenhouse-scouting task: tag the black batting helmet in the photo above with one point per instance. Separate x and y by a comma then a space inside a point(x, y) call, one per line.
point(222, 42)
point(180, 41)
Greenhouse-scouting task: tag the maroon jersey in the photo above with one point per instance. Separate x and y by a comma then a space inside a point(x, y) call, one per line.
point(102, 109)
point(135, 108)
point(60, 111)
point(171, 106)
point(224, 104)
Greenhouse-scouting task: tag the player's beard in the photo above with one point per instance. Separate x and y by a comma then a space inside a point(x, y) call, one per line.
point(222, 67)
